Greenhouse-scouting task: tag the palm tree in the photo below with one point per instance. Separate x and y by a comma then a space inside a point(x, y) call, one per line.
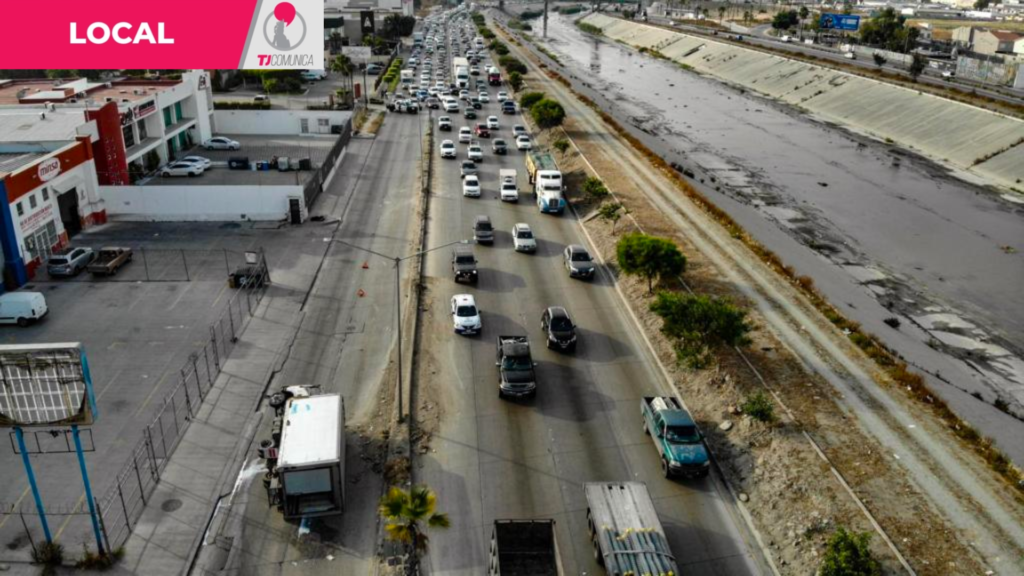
point(342, 64)
point(405, 512)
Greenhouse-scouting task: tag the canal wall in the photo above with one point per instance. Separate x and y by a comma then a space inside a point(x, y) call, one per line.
point(986, 144)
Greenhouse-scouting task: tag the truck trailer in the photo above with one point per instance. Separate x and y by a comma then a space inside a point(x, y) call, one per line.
point(460, 72)
point(524, 548)
point(625, 530)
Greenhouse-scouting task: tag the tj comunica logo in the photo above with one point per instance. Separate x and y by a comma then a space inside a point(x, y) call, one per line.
point(286, 35)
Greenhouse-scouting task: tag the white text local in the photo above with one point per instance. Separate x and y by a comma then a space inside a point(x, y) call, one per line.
point(100, 33)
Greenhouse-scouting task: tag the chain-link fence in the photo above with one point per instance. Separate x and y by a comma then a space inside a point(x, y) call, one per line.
point(123, 503)
point(163, 265)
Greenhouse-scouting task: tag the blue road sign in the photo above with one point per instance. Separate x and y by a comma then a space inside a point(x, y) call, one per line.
point(839, 22)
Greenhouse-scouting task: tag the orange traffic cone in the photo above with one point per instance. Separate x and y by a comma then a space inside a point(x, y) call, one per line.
point(361, 293)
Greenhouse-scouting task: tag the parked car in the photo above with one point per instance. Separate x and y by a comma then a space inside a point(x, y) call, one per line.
point(498, 146)
point(578, 262)
point(559, 328)
point(492, 123)
point(22, 308)
point(465, 135)
point(471, 186)
point(202, 161)
point(523, 142)
point(469, 168)
point(70, 261)
point(465, 315)
point(522, 238)
point(483, 231)
point(448, 149)
point(109, 260)
point(221, 143)
point(374, 69)
point(181, 168)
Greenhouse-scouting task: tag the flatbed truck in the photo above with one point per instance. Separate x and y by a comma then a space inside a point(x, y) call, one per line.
point(625, 530)
point(524, 548)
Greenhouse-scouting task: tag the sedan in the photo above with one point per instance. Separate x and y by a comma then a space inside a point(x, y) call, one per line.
point(475, 152)
point(221, 143)
point(469, 114)
point(482, 131)
point(559, 329)
point(468, 167)
point(448, 149)
point(522, 238)
point(465, 135)
point(465, 315)
point(578, 262)
point(502, 96)
point(498, 146)
point(201, 161)
point(484, 97)
point(181, 169)
point(492, 123)
point(523, 143)
point(519, 130)
point(471, 187)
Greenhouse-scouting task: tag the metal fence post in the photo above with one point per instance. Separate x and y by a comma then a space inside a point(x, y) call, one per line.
point(145, 261)
point(151, 452)
point(188, 399)
point(227, 266)
point(231, 318)
point(184, 261)
point(213, 340)
point(142, 489)
point(163, 435)
point(120, 493)
point(103, 526)
point(174, 409)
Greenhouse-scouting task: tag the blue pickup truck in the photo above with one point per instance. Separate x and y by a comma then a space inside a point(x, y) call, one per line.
point(679, 442)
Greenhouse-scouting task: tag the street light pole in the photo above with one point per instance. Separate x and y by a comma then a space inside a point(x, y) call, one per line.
point(397, 260)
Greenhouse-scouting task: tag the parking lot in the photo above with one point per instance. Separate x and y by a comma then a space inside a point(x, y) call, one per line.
point(138, 329)
point(257, 148)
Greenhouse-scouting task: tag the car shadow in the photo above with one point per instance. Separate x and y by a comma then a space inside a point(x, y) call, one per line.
point(595, 346)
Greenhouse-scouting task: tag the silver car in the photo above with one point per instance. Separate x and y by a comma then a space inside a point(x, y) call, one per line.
point(70, 261)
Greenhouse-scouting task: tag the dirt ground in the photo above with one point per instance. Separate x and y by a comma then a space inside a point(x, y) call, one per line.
point(795, 499)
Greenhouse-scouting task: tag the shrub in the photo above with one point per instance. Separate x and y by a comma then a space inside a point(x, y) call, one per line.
point(562, 145)
point(700, 325)
point(548, 113)
point(530, 14)
point(594, 188)
point(515, 81)
point(528, 99)
point(649, 257)
point(847, 554)
point(611, 212)
point(48, 554)
point(759, 407)
point(589, 28)
point(512, 64)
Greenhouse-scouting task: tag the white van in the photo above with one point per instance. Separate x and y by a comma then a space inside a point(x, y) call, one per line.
point(22, 308)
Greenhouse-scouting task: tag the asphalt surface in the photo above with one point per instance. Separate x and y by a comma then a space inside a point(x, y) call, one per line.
point(492, 458)
point(344, 345)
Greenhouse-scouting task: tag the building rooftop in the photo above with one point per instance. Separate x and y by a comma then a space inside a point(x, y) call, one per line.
point(1006, 35)
point(12, 162)
point(36, 124)
point(58, 91)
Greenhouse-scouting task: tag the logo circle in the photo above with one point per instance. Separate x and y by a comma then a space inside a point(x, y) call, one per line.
point(298, 17)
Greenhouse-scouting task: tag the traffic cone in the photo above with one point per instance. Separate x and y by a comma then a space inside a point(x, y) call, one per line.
point(361, 293)
point(366, 265)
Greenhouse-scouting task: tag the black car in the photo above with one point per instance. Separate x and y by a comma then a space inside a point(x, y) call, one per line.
point(498, 146)
point(578, 262)
point(560, 330)
point(469, 114)
point(508, 107)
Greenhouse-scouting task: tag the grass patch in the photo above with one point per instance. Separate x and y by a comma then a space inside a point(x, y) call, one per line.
point(589, 28)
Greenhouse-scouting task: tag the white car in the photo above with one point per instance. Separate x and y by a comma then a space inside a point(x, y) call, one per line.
point(475, 152)
point(464, 95)
point(451, 105)
point(523, 142)
point(518, 130)
point(522, 238)
point(492, 123)
point(471, 186)
point(221, 143)
point(465, 315)
point(181, 169)
point(448, 149)
point(201, 161)
point(502, 96)
point(465, 135)
point(484, 97)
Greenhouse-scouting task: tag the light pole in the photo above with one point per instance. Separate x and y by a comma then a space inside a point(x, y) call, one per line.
point(397, 260)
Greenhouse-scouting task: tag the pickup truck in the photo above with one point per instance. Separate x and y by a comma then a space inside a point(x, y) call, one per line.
point(675, 435)
point(515, 368)
point(464, 264)
point(110, 260)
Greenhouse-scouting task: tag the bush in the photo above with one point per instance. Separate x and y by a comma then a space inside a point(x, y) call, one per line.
point(548, 113)
point(562, 145)
point(594, 188)
point(649, 257)
point(847, 554)
point(512, 64)
point(759, 407)
point(700, 325)
point(529, 99)
point(589, 28)
point(531, 14)
point(515, 80)
point(48, 554)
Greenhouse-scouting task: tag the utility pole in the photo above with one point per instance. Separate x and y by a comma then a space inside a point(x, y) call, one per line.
point(545, 18)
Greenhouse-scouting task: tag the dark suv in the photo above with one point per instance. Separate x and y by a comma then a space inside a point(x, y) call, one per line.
point(560, 330)
point(464, 264)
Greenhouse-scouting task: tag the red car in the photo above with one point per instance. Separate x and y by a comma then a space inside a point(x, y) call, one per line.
point(482, 131)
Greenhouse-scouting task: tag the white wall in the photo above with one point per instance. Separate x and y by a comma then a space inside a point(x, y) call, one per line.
point(276, 122)
point(187, 203)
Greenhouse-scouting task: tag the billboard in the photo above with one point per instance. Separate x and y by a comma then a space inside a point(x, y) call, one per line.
point(847, 22)
point(45, 385)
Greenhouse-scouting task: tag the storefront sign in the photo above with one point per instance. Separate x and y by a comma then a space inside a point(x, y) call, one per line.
point(36, 220)
point(49, 169)
point(145, 109)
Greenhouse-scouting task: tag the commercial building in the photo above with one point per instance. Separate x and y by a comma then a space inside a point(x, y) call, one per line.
point(995, 41)
point(354, 19)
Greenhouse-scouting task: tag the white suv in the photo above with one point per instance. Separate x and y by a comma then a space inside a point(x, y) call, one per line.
point(465, 315)
point(448, 149)
point(522, 238)
point(471, 186)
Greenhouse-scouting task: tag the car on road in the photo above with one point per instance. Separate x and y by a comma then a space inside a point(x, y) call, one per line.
point(484, 97)
point(519, 130)
point(468, 167)
point(464, 264)
point(433, 103)
point(451, 105)
point(508, 107)
point(201, 161)
point(374, 69)
point(448, 149)
point(464, 95)
point(850, 56)
point(471, 186)
point(221, 143)
point(502, 96)
point(465, 135)
point(492, 123)
point(475, 103)
point(498, 146)
point(559, 328)
point(465, 315)
point(181, 168)
point(522, 238)
point(70, 261)
point(469, 114)
point(523, 142)
point(578, 262)
point(444, 124)
point(482, 131)
point(22, 308)
point(483, 230)
point(475, 152)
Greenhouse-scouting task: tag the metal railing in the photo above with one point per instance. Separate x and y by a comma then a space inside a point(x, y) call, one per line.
point(314, 186)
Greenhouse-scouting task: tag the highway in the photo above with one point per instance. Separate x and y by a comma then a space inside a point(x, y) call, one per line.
point(491, 458)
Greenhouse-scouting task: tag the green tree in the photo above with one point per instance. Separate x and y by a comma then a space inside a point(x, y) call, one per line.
point(649, 257)
point(804, 12)
point(981, 4)
point(515, 80)
point(785, 20)
point(407, 515)
point(547, 113)
point(343, 65)
point(700, 325)
point(562, 145)
point(512, 64)
point(611, 212)
point(848, 554)
point(888, 30)
point(528, 99)
point(917, 66)
point(879, 59)
point(60, 74)
point(594, 188)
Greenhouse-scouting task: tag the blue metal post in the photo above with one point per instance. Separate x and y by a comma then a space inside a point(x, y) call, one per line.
point(32, 482)
point(88, 489)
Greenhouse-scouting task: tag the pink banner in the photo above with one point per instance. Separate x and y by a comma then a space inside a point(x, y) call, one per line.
point(106, 34)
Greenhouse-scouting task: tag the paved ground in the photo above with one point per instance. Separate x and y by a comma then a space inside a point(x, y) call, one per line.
point(149, 328)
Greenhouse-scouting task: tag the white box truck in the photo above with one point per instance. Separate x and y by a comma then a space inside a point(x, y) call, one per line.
point(310, 471)
point(509, 190)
